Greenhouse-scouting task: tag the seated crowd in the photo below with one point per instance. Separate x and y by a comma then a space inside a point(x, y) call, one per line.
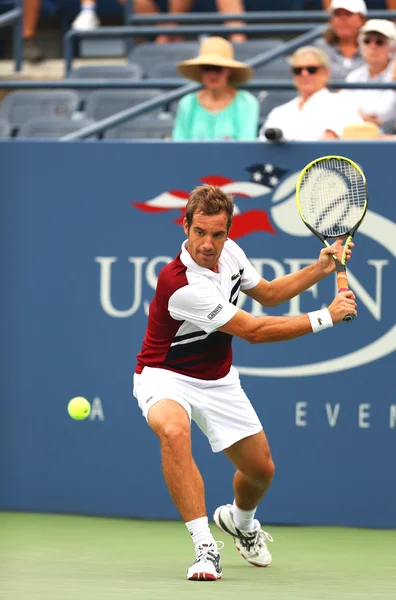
point(353, 49)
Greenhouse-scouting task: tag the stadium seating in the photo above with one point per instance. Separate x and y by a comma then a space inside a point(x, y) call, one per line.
point(252, 48)
point(104, 103)
point(51, 128)
point(146, 55)
point(276, 69)
point(129, 71)
point(5, 129)
point(19, 107)
point(271, 99)
point(142, 128)
point(165, 70)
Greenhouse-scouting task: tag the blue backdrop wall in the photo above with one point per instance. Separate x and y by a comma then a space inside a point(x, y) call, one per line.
point(85, 229)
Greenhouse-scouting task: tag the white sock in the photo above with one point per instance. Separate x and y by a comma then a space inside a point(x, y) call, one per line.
point(243, 519)
point(199, 531)
point(89, 7)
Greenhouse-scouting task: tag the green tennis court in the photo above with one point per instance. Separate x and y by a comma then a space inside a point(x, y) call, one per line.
point(51, 557)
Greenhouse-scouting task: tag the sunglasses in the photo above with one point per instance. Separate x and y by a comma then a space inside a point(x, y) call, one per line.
point(214, 68)
point(311, 69)
point(376, 41)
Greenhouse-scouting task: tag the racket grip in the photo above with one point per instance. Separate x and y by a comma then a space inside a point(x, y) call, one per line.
point(342, 282)
point(349, 317)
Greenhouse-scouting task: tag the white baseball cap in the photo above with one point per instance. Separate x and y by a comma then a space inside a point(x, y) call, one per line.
point(383, 26)
point(353, 6)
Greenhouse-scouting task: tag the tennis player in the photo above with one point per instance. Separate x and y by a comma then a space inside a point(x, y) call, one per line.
point(184, 371)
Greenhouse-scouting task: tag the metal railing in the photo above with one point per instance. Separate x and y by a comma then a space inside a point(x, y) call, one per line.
point(170, 84)
point(265, 22)
point(14, 17)
point(149, 30)
point(166, 98)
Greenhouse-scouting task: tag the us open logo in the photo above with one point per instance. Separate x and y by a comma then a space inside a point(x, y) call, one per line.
point(266, 207)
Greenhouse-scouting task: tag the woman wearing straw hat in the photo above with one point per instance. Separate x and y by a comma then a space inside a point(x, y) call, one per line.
point(219, 110)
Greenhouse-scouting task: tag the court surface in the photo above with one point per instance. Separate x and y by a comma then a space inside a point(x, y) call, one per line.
point(51, 557)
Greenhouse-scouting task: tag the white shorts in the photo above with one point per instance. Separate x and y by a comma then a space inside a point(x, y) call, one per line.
point(219, 407)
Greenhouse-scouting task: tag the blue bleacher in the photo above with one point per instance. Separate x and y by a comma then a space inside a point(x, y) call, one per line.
point(19, 107)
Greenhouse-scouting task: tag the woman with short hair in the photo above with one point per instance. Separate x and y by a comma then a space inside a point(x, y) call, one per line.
point(315, 113)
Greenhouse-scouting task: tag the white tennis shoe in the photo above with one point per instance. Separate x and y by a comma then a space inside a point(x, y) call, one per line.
point(207, 564)
point(86, 20)
point(250, 544)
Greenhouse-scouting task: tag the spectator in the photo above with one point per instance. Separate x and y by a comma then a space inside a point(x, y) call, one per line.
point(315, 113)
point(371, 4)
point(218, 111)
point(340, 40)
point(31, 50)
point(378, 41)
point(88, 19)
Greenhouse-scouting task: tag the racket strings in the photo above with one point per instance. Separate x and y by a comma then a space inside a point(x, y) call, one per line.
point(332, 197)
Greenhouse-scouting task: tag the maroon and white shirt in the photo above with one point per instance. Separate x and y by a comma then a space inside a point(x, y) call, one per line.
point(190, 304)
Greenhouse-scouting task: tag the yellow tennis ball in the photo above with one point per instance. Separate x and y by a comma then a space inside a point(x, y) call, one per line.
point(79, 408)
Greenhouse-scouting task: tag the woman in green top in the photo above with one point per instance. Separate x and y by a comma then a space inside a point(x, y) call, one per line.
point(218, 111)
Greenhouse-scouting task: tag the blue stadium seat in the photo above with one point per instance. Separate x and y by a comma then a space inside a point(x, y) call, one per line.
point(104, 103)
point(276, 69)
point(142, 128)
point(251, 48)
point(5, 129)
point(130, 71)
point(19, 107)
point(148, 54)
point(272, 98)
point(51, 127)
point(165, 70)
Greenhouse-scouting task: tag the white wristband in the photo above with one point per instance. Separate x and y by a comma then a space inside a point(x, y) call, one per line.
point(320, 319)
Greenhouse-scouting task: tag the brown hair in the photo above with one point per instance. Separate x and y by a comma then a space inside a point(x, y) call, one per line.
point(209, 200)
point(331, 37)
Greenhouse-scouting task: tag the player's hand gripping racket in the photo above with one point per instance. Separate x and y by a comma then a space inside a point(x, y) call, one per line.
point(331, 195)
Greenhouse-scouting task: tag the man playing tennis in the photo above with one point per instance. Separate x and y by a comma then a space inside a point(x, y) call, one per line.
point(184, 371)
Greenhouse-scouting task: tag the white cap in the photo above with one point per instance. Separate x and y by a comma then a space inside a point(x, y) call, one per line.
point(353, 6)
point(383, 26)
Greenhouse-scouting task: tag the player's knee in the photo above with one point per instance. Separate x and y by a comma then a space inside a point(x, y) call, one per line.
point(263, 472)
point(175, 436)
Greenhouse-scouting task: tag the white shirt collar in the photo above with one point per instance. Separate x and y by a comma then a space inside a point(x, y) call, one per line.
point(189, 262)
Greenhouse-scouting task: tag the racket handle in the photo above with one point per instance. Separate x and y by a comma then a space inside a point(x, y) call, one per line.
point(349, 317)
point(342, 283)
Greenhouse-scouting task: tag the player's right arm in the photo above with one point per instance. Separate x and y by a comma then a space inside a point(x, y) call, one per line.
point(258, 330)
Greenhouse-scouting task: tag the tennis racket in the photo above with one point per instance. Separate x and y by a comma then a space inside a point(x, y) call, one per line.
point(331, 196)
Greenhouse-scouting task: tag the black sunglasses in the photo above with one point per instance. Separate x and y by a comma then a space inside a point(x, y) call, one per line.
point(377, 41)
point(311, 69)
point(208, 68)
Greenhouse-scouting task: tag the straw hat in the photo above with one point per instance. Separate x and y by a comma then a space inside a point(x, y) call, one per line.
point(361, 131)
point(218, 52)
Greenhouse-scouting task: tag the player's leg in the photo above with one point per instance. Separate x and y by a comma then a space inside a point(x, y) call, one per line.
point(170, 421)
point(255, 469)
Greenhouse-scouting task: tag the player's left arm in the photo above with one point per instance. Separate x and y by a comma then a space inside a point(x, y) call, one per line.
point(282, 289)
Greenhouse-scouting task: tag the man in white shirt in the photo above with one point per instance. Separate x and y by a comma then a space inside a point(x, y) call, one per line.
point(315, 113)
point(184, 371)
point(378, 43)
